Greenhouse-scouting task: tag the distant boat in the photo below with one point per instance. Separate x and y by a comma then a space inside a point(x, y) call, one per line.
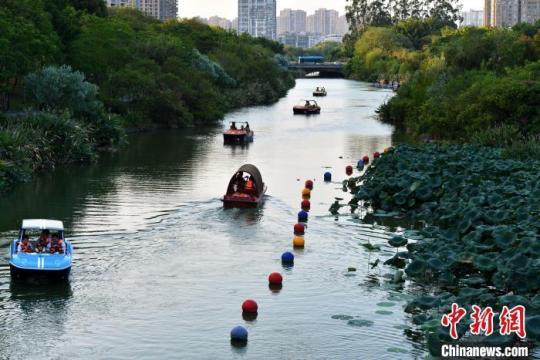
point(307, 107)
point(246, 188)
point(238, 136)
point(319, 92)
point(27, 258)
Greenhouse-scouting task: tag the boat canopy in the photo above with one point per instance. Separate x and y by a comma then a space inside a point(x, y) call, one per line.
point(255, 174)
point(42, 224)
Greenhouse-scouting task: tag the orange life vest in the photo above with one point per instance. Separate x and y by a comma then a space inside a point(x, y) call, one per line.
point(249, 185)
point(57, 248)
point(26, 248)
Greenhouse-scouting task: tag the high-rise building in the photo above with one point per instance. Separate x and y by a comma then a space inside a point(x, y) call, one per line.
point(159, 9)
point(291, 21)
point(257, 18)
point(342, 26)
point(472, 18)
point(506, 13)
point(325, 21)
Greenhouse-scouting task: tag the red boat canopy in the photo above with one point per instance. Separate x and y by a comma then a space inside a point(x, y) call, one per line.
point(255, 174)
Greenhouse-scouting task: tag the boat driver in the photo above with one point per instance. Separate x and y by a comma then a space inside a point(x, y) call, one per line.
point(233, 126)
point(25, 246)
point(57, 245)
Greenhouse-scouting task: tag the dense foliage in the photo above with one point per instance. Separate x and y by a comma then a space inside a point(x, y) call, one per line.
point(74, 64)
point(480, 240)
point(455, 83)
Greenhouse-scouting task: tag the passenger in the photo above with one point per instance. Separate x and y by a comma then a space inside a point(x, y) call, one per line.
point(57, 245)
point(25, 246)
point(242, 127)
point(233, 126)
point(249, 187)
point(43, 242)
point(247, 127)
point(307, 104)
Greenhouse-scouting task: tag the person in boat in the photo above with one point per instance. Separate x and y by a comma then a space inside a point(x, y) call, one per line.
point(57, 245)
point(242, 127)
point(307, 104)
point(233, 126)
point(249, 186)
point(238, 182)
point(25, 246)
point(43, 242)
point(247, 127)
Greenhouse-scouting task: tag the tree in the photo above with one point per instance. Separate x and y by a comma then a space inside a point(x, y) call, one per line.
point(60, 88)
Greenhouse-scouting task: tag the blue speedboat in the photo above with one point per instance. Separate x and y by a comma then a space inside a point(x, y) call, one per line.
point(40, 249)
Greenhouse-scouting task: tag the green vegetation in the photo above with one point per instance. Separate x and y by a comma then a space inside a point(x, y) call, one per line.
point(479, 244)
point(72, 65)
point(460, 85)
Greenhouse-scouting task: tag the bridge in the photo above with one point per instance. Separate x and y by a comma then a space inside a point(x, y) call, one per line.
point(331, 70)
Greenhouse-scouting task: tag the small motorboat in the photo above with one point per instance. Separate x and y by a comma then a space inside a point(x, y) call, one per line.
point(29, 256)
point(307, 107)
point(246, 188)
point(235, 135)
point(320, 91)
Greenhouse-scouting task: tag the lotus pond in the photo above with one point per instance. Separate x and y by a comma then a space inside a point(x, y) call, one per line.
point(471, 235)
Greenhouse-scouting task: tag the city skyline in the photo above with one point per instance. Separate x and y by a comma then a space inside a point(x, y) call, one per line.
point(229, 8)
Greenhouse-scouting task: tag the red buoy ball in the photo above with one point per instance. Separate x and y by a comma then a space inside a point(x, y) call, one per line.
point(275, 278)
point(305, 205)
point(376, 155)
point(349, 170)
point(299, 229)
point(366, 159)
point(250, 306)
point(309, 184)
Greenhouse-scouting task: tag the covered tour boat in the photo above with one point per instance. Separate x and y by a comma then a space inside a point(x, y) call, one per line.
point(40, 249)
point(246, 188)
point(236, 135)
point(307, 107)
point(320, 91)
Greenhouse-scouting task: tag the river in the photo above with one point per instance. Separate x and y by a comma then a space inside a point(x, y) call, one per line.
point(161, 269)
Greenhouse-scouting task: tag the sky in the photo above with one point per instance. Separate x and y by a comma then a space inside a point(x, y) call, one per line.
point(228, 8)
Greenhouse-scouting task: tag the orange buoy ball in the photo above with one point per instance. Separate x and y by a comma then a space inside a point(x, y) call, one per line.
point(309, 184)
point(275, 278)
point(366, 160)
point(250, 306)
point(306, 193)
point(387, 150)
point(348, 170)
point(305, 205)
point(299, 229)
point(299, 242)
point(376, 155)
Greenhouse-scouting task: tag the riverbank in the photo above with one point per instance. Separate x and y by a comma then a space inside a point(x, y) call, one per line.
point(123, 71)
point(479, 240)
point(466, 85)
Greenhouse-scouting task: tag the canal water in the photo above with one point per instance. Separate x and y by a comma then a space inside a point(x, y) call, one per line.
point(161, 269)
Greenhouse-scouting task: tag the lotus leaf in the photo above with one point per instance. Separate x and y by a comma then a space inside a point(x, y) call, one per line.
point(416, 268)
point(398, 241)
point(360, 323)
point(396, 261)
point(532, 325)
point(513, 300)
point(504, 237)
point(342, 317)
point(485, 263)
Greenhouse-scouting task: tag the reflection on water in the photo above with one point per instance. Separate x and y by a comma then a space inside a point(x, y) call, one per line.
point(160, 269)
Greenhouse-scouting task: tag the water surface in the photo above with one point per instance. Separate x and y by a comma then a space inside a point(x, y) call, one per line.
point(160, 269)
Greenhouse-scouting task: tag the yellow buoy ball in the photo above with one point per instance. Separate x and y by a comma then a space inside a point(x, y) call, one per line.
point(299, 241)
point(306, 193)
point(387, 150)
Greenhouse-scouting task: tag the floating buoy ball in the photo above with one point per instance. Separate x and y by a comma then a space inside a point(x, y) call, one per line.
point(250, 306)
point(306, 194)
point(387, 150)
point(376, 155)
point(303, 216)
point(299, 229)
point(305, 205)
point(239, 333)
point(287, 257)
point(298, 241)
point(309, 184)
point(327, 176)
point(366, 160)
point(360, 164)
point(348, 170)
point(275, 278)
